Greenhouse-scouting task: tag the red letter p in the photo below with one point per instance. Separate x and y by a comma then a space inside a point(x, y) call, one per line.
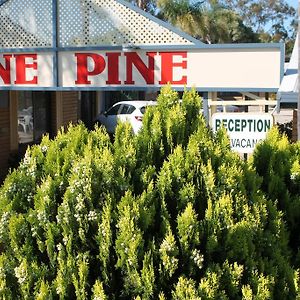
point(82, 66)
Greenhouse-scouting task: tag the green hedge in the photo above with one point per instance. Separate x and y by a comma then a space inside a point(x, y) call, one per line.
point(170, 213)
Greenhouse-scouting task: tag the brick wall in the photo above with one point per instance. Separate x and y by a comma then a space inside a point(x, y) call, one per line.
point(70, 107)
point(64, 110)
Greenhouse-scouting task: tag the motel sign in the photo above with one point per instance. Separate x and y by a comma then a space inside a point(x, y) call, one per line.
point(198, 68)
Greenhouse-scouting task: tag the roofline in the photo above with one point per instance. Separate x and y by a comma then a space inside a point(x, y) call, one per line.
point(3, 1)
point(219, 46)
point(151, 47)
point(141, 88)
point(160, 22)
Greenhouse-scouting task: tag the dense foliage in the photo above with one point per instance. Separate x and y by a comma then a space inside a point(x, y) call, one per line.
point(274, 18)
point(209, 22)
point(277, 161)
point(170, 213)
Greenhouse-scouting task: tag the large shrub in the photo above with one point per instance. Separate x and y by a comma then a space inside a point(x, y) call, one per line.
point(278, 163)
point(170, 213)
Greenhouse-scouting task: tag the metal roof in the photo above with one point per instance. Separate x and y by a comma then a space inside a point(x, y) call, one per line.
point(289, 86)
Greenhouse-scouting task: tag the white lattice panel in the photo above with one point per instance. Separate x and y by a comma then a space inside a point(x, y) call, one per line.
point(26, 23)
point(108, 22)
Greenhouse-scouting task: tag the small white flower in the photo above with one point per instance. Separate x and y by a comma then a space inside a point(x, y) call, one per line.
point(44, 149)
point(294, 176)
point(21, 273)
point(92, 216)
point(65, 240)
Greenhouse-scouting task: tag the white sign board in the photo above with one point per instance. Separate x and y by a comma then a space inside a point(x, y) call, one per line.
point(205, 68)
point(26, 69)
point(245, 130)
point(209, 68)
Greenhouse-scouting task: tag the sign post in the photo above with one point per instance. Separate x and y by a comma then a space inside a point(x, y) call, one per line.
point(244, 130)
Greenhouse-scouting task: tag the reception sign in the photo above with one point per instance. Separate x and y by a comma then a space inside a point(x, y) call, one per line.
point(245, 130)
point(221, 69)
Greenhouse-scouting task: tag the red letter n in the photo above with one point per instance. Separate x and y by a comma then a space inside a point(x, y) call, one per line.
point(132, 58)
point(5, 71)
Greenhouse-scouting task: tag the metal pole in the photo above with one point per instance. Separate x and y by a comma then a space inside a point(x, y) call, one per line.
point(205, 107)
point(298, 112)
point(55, 42)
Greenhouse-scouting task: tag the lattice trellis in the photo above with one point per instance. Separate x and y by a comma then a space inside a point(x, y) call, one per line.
point(108, 22)
point(29, 24)
point(26, 23)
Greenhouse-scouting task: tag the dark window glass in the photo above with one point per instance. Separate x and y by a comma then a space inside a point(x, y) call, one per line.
point(113, 97)
point(114, 110)
point(41, 114)
point(25, 117)
point(4, 96)
point(88, 102)
point(33, 115)
point(143, 109)
point(127, 109)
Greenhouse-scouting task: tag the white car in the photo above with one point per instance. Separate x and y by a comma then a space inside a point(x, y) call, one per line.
point(227, 108)
point(131, 111)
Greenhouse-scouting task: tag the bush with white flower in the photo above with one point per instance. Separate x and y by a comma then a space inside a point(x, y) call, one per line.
point(171, 213)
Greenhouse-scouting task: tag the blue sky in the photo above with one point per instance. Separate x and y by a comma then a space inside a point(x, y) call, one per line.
point(293, 3)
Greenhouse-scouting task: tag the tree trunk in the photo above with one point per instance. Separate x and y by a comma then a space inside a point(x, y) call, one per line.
point(142, 4)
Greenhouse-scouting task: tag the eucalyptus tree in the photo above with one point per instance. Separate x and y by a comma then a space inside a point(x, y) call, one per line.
point(274, 19)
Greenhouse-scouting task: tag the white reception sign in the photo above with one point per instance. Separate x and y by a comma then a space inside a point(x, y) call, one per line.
point(244, 130)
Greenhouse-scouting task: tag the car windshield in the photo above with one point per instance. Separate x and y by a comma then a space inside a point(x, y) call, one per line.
point(113, 110)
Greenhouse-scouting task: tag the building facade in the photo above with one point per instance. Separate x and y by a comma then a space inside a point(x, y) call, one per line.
point(62, 61)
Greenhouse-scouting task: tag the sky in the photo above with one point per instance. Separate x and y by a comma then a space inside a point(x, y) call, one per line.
point(293, 3)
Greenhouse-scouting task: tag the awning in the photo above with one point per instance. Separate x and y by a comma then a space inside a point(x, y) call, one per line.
point(289, 87)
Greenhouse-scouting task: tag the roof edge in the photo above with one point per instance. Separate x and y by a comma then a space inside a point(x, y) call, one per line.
point(3, 1)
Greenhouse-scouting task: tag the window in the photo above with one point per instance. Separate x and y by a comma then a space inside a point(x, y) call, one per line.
point(114, 110)
point(127, 109)
point(4, 96)
point(143, 109)
point(33, 115)
point(25, 117)
point(113, 97)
